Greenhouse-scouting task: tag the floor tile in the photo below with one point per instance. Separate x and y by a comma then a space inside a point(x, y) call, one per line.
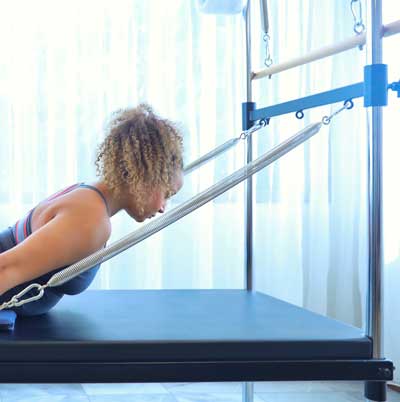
point(40, 390)
point(393, 396)
point(50, 398)
point(209, 397)
point(207, 387)
point(291, 386)
point(306, 397)
point(356, 396)
point(278, 391)
point(343, 386)
point(124, 389)
point(309, 386)
point(359, 396)
point(133, 398)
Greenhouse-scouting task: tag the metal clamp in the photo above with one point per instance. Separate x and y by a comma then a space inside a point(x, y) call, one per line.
point(395, 86)
point(15, 302)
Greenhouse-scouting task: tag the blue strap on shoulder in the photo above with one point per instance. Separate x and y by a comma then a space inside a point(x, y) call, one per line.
point(7, 320)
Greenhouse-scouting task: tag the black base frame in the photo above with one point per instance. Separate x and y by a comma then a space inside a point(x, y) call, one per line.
point(191, 371)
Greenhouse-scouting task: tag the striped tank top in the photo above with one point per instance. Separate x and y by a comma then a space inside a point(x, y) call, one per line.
point(22, 228)
point(20, 231)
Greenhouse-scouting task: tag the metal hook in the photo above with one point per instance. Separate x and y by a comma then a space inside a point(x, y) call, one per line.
point(261, 123)
point(15, 302)
point(347, 105)
point(268, 59)
point(359, 26)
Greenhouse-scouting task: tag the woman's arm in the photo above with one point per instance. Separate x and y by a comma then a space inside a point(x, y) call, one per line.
point(65, 239)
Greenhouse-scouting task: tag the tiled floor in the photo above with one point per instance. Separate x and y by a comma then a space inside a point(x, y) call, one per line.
point(187, 392)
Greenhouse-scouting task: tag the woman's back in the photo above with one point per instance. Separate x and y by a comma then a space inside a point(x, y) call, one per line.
point(73, 198)
point(59, 231)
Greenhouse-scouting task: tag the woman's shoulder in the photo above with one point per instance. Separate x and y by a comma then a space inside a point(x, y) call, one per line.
point(83, 208)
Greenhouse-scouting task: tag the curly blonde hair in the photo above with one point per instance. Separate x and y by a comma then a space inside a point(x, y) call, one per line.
point(140, 150)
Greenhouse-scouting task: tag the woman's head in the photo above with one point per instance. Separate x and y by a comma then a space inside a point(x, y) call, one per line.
point(141, 154)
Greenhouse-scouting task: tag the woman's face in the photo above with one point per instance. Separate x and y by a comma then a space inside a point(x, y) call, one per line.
point(155, 200)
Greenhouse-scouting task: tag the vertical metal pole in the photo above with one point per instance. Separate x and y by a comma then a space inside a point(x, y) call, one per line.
point(247, 387)
point(375, 263)
point(247, 392)
point(248, 215)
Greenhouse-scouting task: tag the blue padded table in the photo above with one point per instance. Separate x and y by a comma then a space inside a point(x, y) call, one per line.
point(184, 336)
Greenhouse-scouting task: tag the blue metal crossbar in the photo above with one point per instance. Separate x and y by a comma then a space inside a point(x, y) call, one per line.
point(373, 89)
point(308, 102)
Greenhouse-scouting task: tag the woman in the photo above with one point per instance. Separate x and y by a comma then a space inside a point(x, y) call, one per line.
point(139, 165)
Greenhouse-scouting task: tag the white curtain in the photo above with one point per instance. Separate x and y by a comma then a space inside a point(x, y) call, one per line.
point(311, 240)
point(65, 66)
point(311, 207)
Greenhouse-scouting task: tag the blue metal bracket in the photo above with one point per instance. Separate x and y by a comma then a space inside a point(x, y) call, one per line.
point(374, 89)
point(375, 85)
point(395, 86)
point(247, 108)
point(298, 105)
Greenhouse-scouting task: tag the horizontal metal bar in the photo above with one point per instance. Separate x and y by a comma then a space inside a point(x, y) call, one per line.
point(197, 371)
point(325, 51)
point(317, 54)
point(391, 29)
point(308, 102)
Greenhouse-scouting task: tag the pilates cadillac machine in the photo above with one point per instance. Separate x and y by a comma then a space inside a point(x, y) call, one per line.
point(218, 335)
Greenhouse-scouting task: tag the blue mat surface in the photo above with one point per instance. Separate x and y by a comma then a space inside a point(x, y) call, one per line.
point(180, 325)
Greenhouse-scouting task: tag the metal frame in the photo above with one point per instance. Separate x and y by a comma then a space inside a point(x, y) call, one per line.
point(248, 218)
point(195, 371)
point(247, 387)
point(374, 91)
point(375, 281)
point(375, 371)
